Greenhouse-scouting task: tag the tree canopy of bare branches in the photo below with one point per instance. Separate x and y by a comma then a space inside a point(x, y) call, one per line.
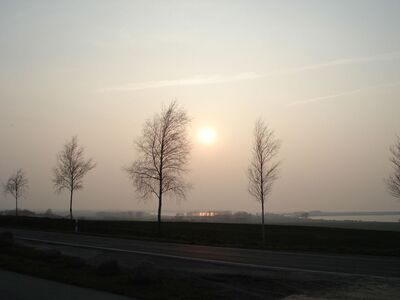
point(263, 169)
point(70, 169)
point(163, 156)
point(16, 185)
point(393, 181)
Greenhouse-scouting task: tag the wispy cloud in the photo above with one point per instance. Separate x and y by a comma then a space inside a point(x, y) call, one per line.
point(217, 79)
point(346, 93)
point(197, 80)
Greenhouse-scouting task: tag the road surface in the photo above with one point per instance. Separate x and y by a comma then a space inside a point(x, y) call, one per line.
point(196, 255)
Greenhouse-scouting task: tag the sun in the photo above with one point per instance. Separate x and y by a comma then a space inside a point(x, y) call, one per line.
point(207, 135)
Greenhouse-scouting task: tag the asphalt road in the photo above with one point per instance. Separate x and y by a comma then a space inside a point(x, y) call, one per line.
point(232, 257)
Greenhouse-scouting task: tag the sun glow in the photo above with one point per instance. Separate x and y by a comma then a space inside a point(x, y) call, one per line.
point(207, 135)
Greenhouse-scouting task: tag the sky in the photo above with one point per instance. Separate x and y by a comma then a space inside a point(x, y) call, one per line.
point(325, 76)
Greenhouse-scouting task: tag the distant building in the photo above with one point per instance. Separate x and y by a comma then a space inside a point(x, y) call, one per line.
point(209, 213)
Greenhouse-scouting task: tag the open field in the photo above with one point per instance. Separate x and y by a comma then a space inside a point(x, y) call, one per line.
point(279, 237)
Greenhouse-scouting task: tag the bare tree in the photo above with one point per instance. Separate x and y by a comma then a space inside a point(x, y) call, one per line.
point(393, 181)
point(163, 151)
point(16, 186)
point(263, 169)
point(70, 169)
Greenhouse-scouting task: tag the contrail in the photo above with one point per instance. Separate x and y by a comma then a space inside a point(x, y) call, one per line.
point(217, 79)
point(346, 61)
point(198, 80)
point(346, 93)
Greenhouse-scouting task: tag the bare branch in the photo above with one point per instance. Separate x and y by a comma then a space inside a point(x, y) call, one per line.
point(263, 169)
point(71, 168)
point(17, 185)
point(393, 181)
point(163, 154)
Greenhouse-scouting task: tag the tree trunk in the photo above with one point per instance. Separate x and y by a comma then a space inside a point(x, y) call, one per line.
point(70, 205)
point(263, 229)
point(159, 214)
point(16, 206)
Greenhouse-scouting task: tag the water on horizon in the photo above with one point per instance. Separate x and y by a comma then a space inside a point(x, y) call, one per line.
point(366, 218)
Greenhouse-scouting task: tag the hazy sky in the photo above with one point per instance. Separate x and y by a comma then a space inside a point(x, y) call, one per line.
point(324, 74)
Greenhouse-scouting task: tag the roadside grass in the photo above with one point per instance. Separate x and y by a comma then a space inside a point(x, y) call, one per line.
point(279, 237)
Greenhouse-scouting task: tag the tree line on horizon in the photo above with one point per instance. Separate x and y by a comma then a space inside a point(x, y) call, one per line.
point(163, 151)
